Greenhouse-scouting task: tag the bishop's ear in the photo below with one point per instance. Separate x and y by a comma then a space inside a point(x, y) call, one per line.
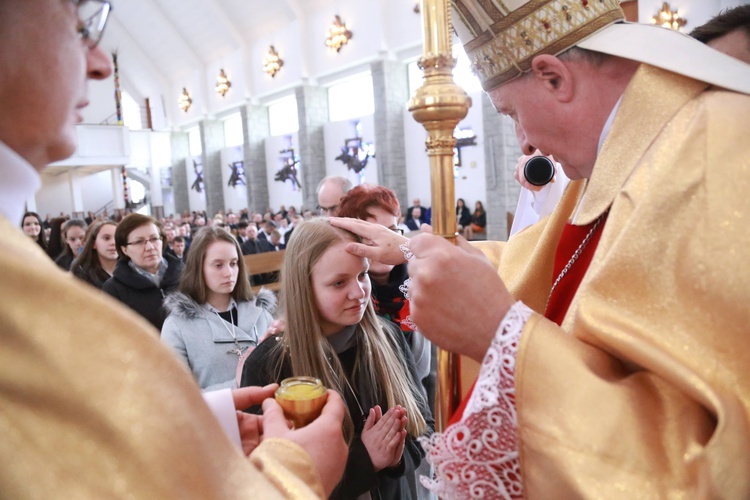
point(554, 75)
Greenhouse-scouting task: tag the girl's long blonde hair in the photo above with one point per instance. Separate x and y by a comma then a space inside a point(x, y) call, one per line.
point(377, 361)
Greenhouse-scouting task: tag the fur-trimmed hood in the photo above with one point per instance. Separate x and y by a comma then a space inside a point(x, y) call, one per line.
point(181, 305)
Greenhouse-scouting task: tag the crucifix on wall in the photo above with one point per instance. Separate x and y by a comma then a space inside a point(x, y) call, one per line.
point(356, 152)
point(289, 169)
point(238, 174)
point(198, 182)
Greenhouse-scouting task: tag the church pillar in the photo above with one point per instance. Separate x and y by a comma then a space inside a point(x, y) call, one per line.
point(212, 141)
point(180, 151)
point(255, 129)
point(391, 91)
point(312, 110)
point(501, 152)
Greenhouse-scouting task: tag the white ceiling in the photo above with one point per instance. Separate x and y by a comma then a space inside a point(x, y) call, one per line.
point(164, 45)
point(183, 33)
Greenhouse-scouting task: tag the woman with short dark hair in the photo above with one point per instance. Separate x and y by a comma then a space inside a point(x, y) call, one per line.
point(214, 318)
point(142, 277)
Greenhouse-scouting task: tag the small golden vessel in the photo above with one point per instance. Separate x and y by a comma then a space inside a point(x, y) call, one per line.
point(302, 399)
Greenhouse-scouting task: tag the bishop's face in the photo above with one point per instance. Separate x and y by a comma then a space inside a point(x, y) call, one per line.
point(543, 122)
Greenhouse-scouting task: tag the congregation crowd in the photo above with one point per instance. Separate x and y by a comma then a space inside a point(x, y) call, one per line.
point(186, 275)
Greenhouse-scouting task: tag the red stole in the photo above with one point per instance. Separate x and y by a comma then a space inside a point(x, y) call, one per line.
point(570, 240)
point(561, 297)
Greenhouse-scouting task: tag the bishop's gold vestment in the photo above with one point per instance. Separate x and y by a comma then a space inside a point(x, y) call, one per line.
point(93, 406)
point(645, 390)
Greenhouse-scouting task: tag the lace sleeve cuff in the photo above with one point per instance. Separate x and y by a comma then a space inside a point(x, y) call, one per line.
point(478, 456)
point(499, 364)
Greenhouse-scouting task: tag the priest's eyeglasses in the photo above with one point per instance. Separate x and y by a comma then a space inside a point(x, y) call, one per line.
point(92, 19)
point(327, 210)
point(154, 241)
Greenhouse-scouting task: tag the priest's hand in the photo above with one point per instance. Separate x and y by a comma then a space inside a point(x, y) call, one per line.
point(457, 299)
point(250, 426)
point(251, 431)
point(322, 439)
point(521, 166)
point(379, 242)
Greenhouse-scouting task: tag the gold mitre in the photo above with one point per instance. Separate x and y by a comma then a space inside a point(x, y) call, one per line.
point(501, 37)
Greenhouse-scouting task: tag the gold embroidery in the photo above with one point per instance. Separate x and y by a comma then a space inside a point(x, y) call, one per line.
point(537, 27)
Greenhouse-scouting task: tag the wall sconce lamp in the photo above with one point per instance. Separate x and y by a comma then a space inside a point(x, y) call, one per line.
point(272, 63)
point(184, 100)
point(222, 83)
point(338, 34)
point(668, 18)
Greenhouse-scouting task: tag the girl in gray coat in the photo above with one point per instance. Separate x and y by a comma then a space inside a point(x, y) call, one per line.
point(214, 318)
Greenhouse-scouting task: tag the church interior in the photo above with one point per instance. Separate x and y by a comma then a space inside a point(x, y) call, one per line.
point(223, 105)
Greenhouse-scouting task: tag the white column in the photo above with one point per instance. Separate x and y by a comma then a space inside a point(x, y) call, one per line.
point(118, 195)
point(31, 204)
point(161, 157)
point(75, 192)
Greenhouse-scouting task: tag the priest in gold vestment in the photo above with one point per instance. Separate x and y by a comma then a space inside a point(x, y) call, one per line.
point(612, 339)
point(91, 404)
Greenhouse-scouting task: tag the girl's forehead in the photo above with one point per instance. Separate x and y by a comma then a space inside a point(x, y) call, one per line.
point(337, 259)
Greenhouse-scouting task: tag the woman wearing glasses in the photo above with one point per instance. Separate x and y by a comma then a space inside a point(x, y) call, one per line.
point(143, 276)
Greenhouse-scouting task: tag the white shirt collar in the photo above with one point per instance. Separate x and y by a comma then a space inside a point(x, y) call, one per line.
point(602, 137)
point(20, 182)
point(232, 304)
point(608, 125)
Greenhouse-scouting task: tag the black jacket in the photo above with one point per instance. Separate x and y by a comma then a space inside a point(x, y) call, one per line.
point(94, 276)
point(141, 294)
point(480, 219)
point(251, 247)
point(64, 260)
point(359, 475)
point(257, 245)
point(463, 216)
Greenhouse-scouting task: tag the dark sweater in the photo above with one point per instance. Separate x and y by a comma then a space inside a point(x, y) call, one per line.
point(463, 216)
point(359, 475)
point(94, 276)
point(479, 219)
point(140, 293)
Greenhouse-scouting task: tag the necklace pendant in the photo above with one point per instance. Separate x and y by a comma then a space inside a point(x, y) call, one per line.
point(237, 349)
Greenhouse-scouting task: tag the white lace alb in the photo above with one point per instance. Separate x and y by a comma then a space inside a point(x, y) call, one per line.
point(478, 456)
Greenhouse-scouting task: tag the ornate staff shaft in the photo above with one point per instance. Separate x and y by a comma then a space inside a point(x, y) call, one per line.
point(439, 104)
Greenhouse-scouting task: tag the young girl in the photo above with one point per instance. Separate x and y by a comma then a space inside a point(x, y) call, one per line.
point(32, 227)
point(333, 333)
point(73, 234)
point(98, 259)
point(214, 317)
point(463, 216)
point(478, 221)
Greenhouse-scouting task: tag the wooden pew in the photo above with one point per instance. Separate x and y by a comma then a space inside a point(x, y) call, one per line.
point(266, 262)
